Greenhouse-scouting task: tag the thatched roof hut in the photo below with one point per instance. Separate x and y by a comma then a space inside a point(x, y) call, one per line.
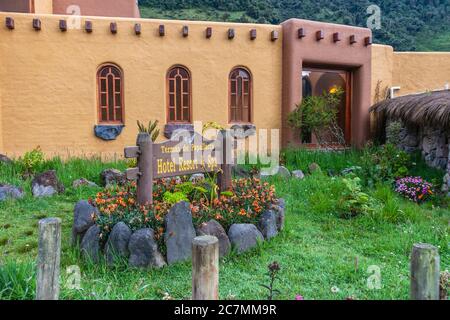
point(430, 108)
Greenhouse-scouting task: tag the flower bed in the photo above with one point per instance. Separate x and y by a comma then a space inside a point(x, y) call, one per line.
point(181, 209)
point(414, 188)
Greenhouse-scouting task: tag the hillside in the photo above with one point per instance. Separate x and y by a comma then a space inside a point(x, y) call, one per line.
point(408, 25)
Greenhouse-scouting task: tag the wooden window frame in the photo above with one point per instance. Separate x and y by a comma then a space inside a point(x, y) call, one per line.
point(99, 93)
point(250, 100)
point(168, 93)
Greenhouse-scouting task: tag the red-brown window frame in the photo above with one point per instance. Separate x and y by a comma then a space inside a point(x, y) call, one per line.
point(168, 93)
point(99, 93)
point(250, 93)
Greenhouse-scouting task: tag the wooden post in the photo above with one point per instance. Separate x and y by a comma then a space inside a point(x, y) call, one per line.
point(145, 162)
point(205, 268)
point(49, 252)
point(425, 273)
point(224, 177)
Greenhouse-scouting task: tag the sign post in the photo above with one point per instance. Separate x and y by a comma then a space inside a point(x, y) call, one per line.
point(175, 158)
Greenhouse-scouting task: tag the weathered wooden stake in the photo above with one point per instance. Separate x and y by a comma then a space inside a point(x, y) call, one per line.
point(205, 268)
point(224, 177)
point(49, 252)
point(425, 272)
point(145, 162)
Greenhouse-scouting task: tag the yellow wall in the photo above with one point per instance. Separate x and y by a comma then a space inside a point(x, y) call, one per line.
point(43, 6)
point(48, 78)
point(420, 71)
point(382, 68)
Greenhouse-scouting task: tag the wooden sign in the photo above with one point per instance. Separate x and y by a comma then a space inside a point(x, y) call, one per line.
point(177, 158)
point(182, 155)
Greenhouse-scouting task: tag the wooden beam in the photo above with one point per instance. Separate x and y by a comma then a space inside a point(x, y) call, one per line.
point(208, 32)
point(137, 29)
point(205, 268)
point(253, 34)
point(274, 35)
point(113, 27)
point(9, 22)
point(49, 255)
point(353, 39)
point(185, 31)
point(162, 30)
point(37, 24)
point(132, 174)
point(320, 35)
point(231, 34)
point(367, 41)
point(301, 33)
point(336, 37)
point(132, 152)
point(63, 25)
point(88, 26)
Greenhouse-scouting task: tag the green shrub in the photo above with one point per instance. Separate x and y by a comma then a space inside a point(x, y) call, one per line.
point(17, 281)
point(384, 164)
point(353, 201)
point(32, 160)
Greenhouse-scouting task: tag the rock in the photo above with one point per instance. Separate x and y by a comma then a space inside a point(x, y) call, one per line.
point(281, 202)
point(313, 167)
point(109, 132)
point(197, 177)
point(278, 171)
point(283, 172)
point(298, 174)
point(213, 228)
point(144, 251)
point(117, 244)
point(46, 184)
point(110, 177)
point(179, 233)
point(90, 245)
point(84, 182)
point(10, 192)
point(83, 215)
point(267, 224)
point(4, 159)
point(244, 236)
point(279, 216)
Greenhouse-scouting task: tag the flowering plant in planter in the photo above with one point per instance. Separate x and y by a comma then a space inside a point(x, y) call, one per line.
point(243, 203)
point(414, 188)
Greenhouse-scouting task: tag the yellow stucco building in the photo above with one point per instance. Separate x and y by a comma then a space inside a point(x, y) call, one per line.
point(78, 84)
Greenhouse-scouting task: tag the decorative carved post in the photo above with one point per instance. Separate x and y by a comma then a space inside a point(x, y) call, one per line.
point(48, 264)
point(425, 272)
point(145, 162)
point(224, 177)
point(205, 268)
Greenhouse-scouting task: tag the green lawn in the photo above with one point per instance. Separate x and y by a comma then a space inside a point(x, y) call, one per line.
point(317, 250)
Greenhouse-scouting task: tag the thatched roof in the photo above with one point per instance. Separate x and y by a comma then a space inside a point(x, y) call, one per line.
point(432, 108)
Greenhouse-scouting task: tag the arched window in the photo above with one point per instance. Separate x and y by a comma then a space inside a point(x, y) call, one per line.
point(240, 95)
point(179, 95)
point(110, 94)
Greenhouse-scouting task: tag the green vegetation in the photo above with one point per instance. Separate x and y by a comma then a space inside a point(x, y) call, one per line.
point(406, 24)
point(319, 249)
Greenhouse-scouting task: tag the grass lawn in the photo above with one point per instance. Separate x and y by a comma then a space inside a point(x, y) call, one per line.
point(317, 250)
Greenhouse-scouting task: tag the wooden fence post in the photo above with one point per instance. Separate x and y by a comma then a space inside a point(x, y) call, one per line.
point(49, 252)
point(145, 162)
point(205, 268)
point(425, 272)
point(224, 177)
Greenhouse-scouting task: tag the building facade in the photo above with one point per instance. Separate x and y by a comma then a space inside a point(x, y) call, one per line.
point(76, 85)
